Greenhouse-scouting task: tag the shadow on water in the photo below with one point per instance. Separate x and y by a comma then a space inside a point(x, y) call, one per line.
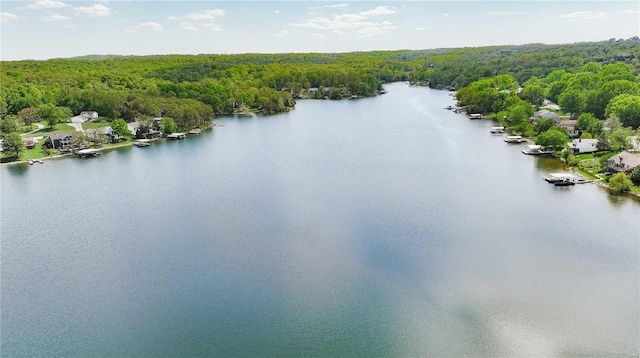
point(18, 170)
point(619, 200)
point(550, 164)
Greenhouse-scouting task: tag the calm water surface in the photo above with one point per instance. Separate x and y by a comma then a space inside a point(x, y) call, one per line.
point(384, 226)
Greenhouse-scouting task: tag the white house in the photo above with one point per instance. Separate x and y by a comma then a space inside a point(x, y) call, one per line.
point(84, 116)
point(584, 145)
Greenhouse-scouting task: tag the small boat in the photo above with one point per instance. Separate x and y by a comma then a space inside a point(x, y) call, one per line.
point(30, 162)
point(40, 161)
point(476, 116)
point(496, 130)
point(564, 182)
point(514, 139)
point(195, 131)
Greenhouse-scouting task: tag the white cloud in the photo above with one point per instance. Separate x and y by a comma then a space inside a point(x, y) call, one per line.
point(420, 28)
point(315, 7)
point(335, 6)
point(173, 18)
point(380, 10)
point(277, 11)
point(93, 11)
point(445, 14)
point(282, 33)
point(153, 26)
point(188, 26)
point(318, 36)
point(586, 15)
point(47, 4)
point(6, 17)
point(56, 17)
point(339, 23)
point(204, 15)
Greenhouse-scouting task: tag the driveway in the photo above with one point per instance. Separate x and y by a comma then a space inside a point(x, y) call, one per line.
point(38, 127)
point(77, 126)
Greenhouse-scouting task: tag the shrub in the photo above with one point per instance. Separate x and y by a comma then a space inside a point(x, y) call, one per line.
point(590, 164)
point(635, 175)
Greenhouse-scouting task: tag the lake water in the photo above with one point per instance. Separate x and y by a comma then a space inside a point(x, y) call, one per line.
point(383, 226)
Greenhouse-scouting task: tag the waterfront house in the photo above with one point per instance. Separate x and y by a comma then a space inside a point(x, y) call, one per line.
point(545, 113)
point(580, 145)
point(58, 140)
point(107, 131)
point(570, 126)
point(623, 162)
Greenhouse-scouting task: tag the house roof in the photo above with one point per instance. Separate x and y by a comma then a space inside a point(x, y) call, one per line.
point(61, 135)
point(544, 113)
point(575, 142)
point(569, 124)
point(630, 159)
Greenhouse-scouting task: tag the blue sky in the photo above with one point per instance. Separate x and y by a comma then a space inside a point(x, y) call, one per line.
point(45, 29)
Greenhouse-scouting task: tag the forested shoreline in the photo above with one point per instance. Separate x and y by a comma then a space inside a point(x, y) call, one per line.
point(191, 89)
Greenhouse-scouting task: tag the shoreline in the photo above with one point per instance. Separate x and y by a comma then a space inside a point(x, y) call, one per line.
point(122, 145)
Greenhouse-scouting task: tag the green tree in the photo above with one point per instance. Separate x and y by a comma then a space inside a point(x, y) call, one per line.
point(12, 145)
point(553, 138)
point(533, 94)
point(635, 175)
point(9, 124)
point(29, 115)
point(627, 108)
point(544, 124)
point(78, 139)
point(54, 115)
point(120, 127)
point(584, 120)
point(168, 125)
point(572, 101)
point(613, 123)
point(620, 182)
point(519, 113)
point(603, 143)
point(619, 139)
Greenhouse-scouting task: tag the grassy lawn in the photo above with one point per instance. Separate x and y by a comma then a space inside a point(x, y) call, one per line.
point(34, 153)
point(585, 173)
point(101, 122)
point(58, 128)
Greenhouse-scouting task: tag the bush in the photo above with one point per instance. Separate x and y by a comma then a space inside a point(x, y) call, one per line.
point(635, 175)
point(620, 183)
point(590, 164)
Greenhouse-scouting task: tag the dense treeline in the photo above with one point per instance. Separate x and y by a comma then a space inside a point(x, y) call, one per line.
point(191, 89)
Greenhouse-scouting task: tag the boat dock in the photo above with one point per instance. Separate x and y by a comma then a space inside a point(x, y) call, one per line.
point(514, 139)
point(87, 153)
point(176, 136)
